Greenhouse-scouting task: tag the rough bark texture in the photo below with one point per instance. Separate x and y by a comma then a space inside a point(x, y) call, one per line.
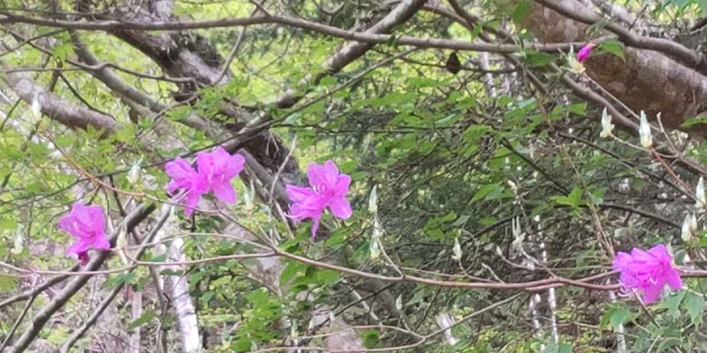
point(647, 80)
point(56, 108)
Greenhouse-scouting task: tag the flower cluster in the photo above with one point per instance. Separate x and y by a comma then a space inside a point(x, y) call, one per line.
point(87, 224)
point(214, 173)
point(647, 271)
point(328, 189)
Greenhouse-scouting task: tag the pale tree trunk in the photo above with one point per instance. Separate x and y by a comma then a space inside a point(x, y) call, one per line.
point(551, 299)
point(487, 79)
point(181, 300)
point(136, 306)
point(178, 288)
point(620, 330)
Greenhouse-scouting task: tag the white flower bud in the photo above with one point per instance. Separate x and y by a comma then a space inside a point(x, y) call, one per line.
point(686, 233)
point(18, 244)
point(375, 249)
point(645, 132)
point(457, 250)
point(373, 201)
point(135, 172)
point(606, 126)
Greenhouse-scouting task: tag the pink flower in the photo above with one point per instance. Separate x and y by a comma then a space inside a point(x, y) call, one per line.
point(329, 189)
point(185, 177)
point(585, 52)
point(87, 224)
point(215, 171)
point(647, 272)
point(218, 168)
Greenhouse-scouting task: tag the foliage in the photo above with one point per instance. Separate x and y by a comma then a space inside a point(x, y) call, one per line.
point(519, 178)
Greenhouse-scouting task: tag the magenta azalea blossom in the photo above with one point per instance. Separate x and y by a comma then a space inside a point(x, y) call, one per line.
point(647, 271)
point(215, 171)
point(185, 177)
point(329, 189)
point(585, 52)
point(87, 224)
point(218, 168)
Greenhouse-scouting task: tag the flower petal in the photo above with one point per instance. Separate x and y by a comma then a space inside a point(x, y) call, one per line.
point(342, 185)
point(315, 225)
point(340, 208)
point(315, 174)
point(68, 224)
point(179, 169)
point(331, 174)
point(79, 246)
point(190, 202)
point(205, 163)
point(234, 166)
point(652, 293)
point(224, 191)
point(297, 193)
point(622, 261)
point(660, 252)
point(100, 242)
point(672, 278)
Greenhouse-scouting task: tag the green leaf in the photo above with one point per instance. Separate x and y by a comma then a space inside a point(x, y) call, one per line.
point(486, 190)
point(291, 269)
point(574, 199)
point(328, 277)
point(328, 81)
point(146, 317)
point(7, 284)
point(370, 338)
point(521, 11)
point(694, 304)
point(694, 121)
point(619, 317)
point(672, 303)
point(536, 58)
point(578, 109)
point(242, 345)
point(558, 348)
point(613, 47)
point(170, 272)
point(119, 279)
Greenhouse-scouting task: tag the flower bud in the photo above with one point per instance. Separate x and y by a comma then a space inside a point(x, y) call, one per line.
point(375, 249)
point(686, 233)
point(373, 201)
point(645, 132)
point(457, 250)
point(606, 126)
point(135, 172)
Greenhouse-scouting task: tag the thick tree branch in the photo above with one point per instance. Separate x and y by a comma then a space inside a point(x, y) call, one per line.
point(56, 108)
point(364, 37)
